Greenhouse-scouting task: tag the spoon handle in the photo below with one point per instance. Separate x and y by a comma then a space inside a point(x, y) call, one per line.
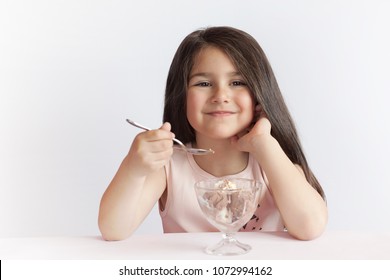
point(137, 125)
point(147, 129)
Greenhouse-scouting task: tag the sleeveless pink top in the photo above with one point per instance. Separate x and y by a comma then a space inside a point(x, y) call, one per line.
point(182, 212)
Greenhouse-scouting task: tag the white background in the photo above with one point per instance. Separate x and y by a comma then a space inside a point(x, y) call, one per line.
point(72, 71)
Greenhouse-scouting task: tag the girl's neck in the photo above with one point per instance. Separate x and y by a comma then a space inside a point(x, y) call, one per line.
point(225, 161)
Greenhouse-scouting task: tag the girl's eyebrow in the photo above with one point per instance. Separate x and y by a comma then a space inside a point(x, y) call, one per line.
point(207, 75)
point(200, 74)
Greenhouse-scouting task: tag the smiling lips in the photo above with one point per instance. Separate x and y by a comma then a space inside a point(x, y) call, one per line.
point(220, 113)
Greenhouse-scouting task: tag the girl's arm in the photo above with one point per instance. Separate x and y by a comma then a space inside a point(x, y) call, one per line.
point(303, 210)
point(137, 185)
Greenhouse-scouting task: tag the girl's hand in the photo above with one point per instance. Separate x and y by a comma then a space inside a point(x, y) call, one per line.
point(150, 150)
point(261, 127)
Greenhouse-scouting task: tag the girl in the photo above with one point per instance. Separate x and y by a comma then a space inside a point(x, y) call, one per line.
point(221, 93)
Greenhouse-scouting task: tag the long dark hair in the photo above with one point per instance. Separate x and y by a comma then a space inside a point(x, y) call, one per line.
point(252, 63)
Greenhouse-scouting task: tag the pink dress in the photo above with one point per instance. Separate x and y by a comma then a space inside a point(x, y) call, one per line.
point(182, 212)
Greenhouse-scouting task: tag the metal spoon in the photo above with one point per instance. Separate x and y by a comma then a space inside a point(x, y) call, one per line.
point(193, 151)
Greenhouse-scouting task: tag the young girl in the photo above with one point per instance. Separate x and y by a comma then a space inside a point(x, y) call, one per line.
point(221, 93)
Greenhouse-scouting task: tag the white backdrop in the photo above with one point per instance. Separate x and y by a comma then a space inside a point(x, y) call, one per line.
point(72, 71)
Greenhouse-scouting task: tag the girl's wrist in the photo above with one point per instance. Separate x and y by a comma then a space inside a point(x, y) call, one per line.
point(263, 144)
point(133, 169)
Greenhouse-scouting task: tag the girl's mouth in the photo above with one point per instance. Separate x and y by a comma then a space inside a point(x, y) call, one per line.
point(220, 113)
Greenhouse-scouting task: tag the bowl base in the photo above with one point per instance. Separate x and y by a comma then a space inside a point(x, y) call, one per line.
point(228, 246)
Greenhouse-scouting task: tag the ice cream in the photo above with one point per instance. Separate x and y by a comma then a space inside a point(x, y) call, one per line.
point(227, 203)
point(226, 184)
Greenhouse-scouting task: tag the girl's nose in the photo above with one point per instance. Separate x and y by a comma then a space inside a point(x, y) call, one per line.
point(220, 95)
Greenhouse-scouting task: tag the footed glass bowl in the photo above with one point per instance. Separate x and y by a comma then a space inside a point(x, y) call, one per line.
point(228, 204)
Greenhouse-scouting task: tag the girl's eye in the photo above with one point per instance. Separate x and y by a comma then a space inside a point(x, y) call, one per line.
point(203, 84)
point(238, 83)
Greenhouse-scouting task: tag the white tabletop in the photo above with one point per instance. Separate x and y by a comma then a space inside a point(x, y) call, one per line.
point(332, 245)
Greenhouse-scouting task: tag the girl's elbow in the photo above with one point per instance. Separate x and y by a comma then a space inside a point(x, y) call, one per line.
point(110, 233)
point(113, 237)
point(310, 230)
point(309, 234)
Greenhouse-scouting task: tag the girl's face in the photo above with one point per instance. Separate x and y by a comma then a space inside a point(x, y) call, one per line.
point(219, 104)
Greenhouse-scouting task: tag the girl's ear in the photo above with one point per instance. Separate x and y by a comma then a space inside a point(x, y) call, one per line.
point(256, 114)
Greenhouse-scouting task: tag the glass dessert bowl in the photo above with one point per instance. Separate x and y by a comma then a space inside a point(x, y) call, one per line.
point(228, 204)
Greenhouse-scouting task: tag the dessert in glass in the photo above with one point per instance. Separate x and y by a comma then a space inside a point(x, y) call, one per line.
point(228, 204)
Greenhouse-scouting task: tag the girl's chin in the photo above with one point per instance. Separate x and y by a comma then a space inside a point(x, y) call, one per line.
point(222, 133)
point(227, 134)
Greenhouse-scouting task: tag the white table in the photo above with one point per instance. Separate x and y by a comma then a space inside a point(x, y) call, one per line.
point(332, 245)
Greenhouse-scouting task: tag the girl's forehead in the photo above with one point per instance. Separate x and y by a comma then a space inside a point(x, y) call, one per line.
point(212, 57)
